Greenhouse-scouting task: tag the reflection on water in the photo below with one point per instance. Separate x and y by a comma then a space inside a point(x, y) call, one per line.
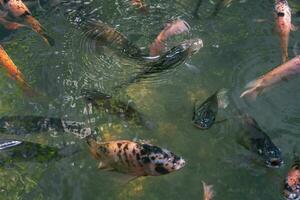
point(236, 50)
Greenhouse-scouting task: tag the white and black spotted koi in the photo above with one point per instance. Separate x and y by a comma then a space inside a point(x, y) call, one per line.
point(19, 10)
point(134, 158)
point(291, 188)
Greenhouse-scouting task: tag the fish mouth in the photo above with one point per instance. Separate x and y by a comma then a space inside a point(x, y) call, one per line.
point(274, 163)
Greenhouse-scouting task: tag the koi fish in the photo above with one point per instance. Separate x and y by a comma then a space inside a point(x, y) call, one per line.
point(125, 110)
point(19, 9)
point(208, 192)
point(284, 26)
point(257, 141)
point(205, 113)
point(172, 58)
point(105, 35)
point(134, 158)
point(174, 28)
point(292, 182)
point(12, 150)
point(28, 124)
point(8, 24)
point(277, 75)
point(139, 4)
point(14, 72)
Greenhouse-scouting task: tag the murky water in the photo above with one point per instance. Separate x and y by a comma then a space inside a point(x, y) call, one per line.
point(236, 50)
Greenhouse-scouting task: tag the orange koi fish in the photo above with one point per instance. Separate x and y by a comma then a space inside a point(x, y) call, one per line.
point(280, 73)
point(283, 26)
point(13, 71)
point(19, 9)
point(175, 28)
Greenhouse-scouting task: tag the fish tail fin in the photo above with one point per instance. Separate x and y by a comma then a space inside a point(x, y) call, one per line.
point(253, 90)
point(37, 27)
point(26, 88)
point(208, 191)
point(223, 99)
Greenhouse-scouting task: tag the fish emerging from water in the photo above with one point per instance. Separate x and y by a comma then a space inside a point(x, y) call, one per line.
point(277, 75)
point(12, 151)
point(13, 72)
point(283, 25)
point(19, 10)
point(257, 141)
point(113, 106)
point(174, 28)
point(208, 192)
point(205, 113)
point(134, 158)
point(292, 182)
point(168, 61)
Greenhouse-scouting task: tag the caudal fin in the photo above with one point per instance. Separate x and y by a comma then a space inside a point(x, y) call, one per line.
point(37, 27)
point(253, 90)
point(208, 191)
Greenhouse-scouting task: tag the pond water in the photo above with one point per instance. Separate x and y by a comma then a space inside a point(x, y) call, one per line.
point(237, 49)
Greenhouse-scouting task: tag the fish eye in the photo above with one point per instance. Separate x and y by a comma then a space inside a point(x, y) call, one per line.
point(259, 151)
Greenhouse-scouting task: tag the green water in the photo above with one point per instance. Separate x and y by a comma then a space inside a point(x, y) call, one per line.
point(236, 50)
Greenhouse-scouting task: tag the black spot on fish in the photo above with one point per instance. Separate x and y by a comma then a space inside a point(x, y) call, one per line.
point(146, 160)
point(160, 169)
point(152, 157)
point(280, 14)
point(125, 147)
point(119, 145)
point(133, 152)
point(138, 157)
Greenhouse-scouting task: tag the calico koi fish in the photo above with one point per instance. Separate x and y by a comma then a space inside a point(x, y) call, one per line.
point(292, 182)
point(19, 9)
point(174, 28)
point(134, 158)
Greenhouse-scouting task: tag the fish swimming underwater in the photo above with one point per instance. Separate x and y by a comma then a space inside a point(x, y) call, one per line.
point(221, 4)
point(12, 151)
point(281, 73)
point(139, 4)
point(284, 26)
point(8, 24)
point(208, 192)
point(257, 141)
point(174, 28)
point(19, 10)
point(104, 35)
point(205, 113)
point(134, 158)
point(292, 182)
point(20, 125)
point(114, 106)
point(14, 72)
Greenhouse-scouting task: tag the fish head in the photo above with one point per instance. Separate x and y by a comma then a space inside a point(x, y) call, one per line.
point(192, 45)
point(291, 193)
point(205, 113)
point(204, 119)
point(270, 154)
point(163, 161)
point(281, 8)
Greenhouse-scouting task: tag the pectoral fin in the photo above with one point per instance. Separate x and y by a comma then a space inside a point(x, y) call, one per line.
point(294, 28)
